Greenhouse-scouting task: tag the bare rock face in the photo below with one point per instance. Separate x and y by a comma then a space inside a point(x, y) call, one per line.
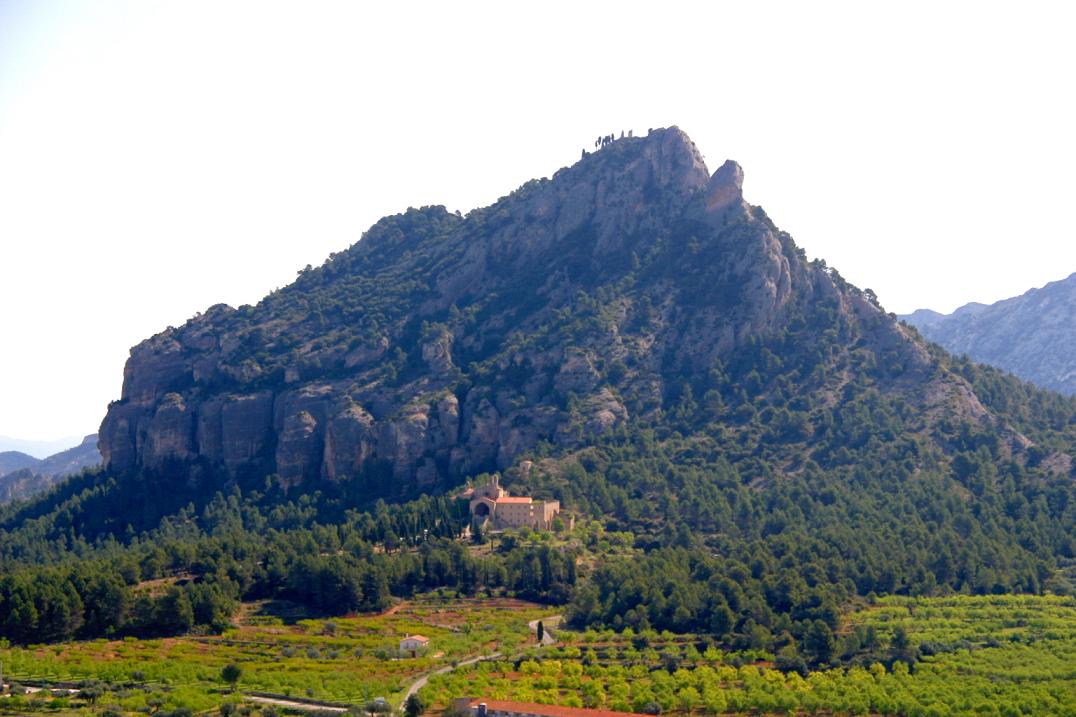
point(482, 436)
point(437, 352)
point(523, 429)
point(246, 423)
point(349, 442)
point(448, 421)
point(298, 453)
point(365, 354)
point(577, 374)
point(209, 429)
point(604, 411)
point(116, 437)
point(724, 192)
point(161, 368)
point(299, 424)
point(441, 346)
point(171, 432)
point(403, 441)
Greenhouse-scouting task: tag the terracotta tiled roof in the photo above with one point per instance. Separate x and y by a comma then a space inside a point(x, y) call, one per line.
point(420, 638)
point(514, 499)
point(549, 710)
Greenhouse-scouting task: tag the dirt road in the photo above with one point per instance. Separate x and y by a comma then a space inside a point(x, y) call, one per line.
point(295, 705)
point(421, 682)
point(547, 639)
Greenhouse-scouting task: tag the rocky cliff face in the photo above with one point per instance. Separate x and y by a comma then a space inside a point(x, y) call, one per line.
point(440, 346)
point(1032, 335)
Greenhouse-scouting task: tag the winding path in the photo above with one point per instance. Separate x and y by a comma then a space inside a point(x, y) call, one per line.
point(421, 682)
point(547, 639)
point(549, 624)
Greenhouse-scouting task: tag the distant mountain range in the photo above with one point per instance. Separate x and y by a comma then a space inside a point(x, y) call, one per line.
point(22, 475)
point(37, 449)
point(1032, 335)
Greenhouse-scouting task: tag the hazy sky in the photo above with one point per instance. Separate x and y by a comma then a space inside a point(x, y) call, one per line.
point(160, 157)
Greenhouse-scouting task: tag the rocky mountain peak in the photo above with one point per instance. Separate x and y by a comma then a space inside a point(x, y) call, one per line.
point(442, 346)
point(725, 188)
point(675, 159)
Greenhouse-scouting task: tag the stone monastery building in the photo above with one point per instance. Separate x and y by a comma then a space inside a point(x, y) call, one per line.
point(493, 503)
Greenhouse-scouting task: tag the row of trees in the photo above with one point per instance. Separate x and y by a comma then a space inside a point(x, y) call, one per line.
point(717, 689)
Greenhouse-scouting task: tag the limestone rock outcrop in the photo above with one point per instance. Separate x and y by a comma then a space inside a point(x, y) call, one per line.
point(440, 346)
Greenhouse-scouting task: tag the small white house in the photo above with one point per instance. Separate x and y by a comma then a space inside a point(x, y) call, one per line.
point(414, 643)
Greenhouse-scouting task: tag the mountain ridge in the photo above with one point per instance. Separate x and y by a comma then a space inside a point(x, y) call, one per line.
point(1032, 335)
point(22, 476)
point(16, 460)
point(38, 449)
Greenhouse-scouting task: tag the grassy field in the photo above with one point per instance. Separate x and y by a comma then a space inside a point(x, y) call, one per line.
point(1001, 655)
point(347, 659)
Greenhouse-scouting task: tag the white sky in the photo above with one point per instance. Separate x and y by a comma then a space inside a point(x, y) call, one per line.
point(159, 157)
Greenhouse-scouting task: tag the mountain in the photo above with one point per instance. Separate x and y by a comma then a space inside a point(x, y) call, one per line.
point(37, 449)
point(923, 317)
point(441, 346)
point(1032, 335)
point(22, 476)
point(749, 441)
point(72, 460)
point(14, 460)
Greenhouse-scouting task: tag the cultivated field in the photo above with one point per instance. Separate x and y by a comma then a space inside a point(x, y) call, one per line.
point(997, 655)
point(994, 655)
point(348, 660)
